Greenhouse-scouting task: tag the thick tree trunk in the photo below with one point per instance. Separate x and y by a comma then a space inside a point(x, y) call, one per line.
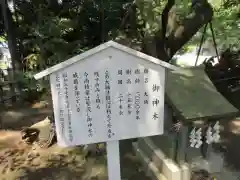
point(11, 37)
point(202, 13)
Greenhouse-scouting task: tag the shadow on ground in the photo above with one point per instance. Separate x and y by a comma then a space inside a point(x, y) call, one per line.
point(62, 170)
point(131, 167)
point(15, 119)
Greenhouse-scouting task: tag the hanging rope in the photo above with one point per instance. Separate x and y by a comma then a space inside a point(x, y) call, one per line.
point(202, 40)
point(214, 40)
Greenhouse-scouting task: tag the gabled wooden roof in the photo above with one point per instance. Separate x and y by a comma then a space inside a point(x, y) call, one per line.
point(99, 48)
point(191, 93)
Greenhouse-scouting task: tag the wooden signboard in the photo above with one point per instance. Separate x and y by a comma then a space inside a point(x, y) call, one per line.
point(107, 94)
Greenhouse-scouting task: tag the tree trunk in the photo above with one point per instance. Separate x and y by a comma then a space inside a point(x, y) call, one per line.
point(165, 49)
point(9, 27)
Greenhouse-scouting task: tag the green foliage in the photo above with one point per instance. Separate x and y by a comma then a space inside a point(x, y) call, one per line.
point(30, 88)
point(149, 14)
point(226, 25)
point(50, 32)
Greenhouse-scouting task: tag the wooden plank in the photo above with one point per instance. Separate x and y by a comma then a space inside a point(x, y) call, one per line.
point(104, 46)
point(6, 98)
point(193, 96)
point(182, 145)
point(5, 83)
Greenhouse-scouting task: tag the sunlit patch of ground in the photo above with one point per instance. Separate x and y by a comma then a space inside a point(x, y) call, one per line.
point(11, 139)
point(34, 166)
point(64, 164)
point(40, 105)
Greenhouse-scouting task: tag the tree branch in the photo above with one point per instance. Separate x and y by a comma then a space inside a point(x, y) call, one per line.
point(165, 48)
point(202, 14)
point(165, 15)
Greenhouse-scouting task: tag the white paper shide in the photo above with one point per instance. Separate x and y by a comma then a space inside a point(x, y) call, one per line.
point(212, 135)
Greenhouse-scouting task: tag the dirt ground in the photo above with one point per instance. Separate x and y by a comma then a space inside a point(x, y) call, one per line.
point(21, 162)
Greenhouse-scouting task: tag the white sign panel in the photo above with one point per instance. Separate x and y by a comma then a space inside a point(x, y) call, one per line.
point(106, 94)
point(111, 95)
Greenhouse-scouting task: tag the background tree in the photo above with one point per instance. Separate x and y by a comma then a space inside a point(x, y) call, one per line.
point(52, 31)
point(42, 33)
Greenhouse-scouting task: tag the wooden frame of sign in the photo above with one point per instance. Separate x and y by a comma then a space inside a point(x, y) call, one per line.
point(107, 94)
point(197, 104)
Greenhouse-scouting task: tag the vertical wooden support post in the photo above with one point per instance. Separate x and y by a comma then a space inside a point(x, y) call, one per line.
point(174, 144)
point(11, 37)
point(113, 159)
point(1, 94)
point(182, 145)
point(206, 149)
point(13, 95)
point(1, 76)
point(9, 27)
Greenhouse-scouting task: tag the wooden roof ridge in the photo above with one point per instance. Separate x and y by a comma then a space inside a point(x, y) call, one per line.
point(99, 48)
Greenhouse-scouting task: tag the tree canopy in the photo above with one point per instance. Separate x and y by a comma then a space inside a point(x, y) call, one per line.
point(48, 32)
